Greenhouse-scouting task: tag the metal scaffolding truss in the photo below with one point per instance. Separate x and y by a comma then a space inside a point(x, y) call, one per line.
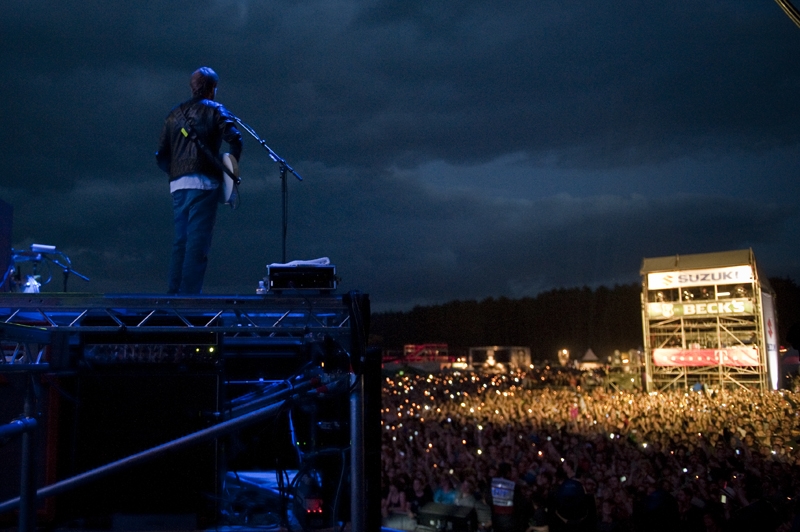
point(25, 348)
point(717, 331)
point(718, 334)
point(29, 321)
point(725, 376)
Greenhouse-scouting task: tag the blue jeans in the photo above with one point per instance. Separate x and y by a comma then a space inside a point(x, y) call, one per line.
point(195, 212)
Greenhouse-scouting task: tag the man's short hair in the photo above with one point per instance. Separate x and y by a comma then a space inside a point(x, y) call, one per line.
point(203, 80)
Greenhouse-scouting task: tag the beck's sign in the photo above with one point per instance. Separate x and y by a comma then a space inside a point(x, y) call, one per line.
point(729, 307)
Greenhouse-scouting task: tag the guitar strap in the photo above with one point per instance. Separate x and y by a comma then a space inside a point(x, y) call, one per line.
point(188, 132)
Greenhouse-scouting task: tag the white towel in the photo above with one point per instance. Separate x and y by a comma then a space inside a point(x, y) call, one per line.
point(323, 261)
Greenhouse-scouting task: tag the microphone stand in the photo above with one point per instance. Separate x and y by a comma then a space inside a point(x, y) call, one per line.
point(284, 167)
point(67, 269)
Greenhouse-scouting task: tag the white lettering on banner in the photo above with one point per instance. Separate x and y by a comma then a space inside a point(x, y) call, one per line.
point(729, 275)
point(668, 310)
point(709, 278)
point(690, 309)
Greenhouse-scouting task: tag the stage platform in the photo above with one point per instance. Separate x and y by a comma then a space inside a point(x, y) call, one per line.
point(112, 329)
point(107, 377)
point(235, 317)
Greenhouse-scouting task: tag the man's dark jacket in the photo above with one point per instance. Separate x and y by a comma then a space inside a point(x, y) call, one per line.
point(178, 155)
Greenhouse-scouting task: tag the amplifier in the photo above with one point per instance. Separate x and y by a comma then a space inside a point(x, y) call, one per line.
point(322, 278)
point(122, 409)
point(448, 517)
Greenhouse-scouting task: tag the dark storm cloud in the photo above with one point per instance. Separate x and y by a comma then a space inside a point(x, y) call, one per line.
point(467, 80)
point(400, 237)
point(376, 83)
point(451, 150)
point(399, 240)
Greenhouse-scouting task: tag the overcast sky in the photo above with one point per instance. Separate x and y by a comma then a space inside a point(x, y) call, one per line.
point(449, 150)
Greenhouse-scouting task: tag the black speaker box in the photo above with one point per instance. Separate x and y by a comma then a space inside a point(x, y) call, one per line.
point(322, 278)
point(448, 517)
point(121, 411)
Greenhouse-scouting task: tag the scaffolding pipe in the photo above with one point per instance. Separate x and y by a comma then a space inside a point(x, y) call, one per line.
point(18, 426)
point(358, 516)
point(206, 434)
point(27, 482)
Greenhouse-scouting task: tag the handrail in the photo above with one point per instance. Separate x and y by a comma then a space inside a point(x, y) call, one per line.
point(18, 426)
point(196, 437)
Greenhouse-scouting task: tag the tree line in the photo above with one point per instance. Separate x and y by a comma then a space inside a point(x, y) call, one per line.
point(603, 319)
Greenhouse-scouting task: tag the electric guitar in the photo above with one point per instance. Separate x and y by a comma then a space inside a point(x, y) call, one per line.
point(230, 186)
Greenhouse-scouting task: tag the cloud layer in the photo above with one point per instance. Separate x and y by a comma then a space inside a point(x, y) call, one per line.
point(451, 151)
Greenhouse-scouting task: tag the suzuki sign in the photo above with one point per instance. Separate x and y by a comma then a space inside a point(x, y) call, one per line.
point(712, 276)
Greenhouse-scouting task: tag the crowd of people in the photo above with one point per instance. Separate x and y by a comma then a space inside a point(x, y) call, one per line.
point(593, 460)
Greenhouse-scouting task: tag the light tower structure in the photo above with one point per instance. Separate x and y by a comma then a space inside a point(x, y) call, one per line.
point(708, 318)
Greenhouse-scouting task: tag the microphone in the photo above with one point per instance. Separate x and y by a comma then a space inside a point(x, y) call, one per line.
point(42, 248)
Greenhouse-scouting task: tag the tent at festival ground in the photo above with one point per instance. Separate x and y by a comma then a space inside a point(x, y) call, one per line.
point(590, 360)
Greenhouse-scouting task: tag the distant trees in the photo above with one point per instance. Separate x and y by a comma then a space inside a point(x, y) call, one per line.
point(603, 319)
point(575, 318)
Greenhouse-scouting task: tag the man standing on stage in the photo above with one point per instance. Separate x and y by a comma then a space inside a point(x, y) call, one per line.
point(189, 152)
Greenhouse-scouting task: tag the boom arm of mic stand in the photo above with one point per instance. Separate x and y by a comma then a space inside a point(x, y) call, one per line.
point(274, 156)
point(68, 269)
